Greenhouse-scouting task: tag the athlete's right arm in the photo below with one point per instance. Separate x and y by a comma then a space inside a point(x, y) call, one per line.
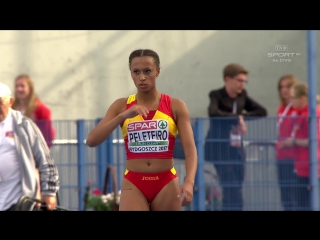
point(108, 124)
point(115, 115)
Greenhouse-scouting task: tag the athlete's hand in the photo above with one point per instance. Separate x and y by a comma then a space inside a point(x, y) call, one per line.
point(186, 192)
point(136, 110)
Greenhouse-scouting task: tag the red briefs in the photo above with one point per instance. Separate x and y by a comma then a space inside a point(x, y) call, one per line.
point(150, 184)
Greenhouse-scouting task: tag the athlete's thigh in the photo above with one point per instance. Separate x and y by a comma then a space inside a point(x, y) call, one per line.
point(131, 198)
point(168, 199)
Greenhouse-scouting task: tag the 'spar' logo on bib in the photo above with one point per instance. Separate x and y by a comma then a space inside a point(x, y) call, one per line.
point(140, 126)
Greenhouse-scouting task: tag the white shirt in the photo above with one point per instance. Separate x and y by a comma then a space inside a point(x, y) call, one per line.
point(10, 176)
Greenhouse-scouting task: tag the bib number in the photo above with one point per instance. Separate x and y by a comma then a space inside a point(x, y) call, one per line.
point(148, 136)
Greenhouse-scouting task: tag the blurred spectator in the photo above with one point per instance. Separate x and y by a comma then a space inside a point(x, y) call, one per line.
point(299, 140)
point(29, 104)
point(18, 168)
point(224, 147)
point(285, 121)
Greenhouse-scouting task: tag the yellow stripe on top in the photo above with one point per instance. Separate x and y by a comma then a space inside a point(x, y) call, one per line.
point(172, 126)
point(131, 98)
point(173, 129)
point(173, 171)
point(124, 127)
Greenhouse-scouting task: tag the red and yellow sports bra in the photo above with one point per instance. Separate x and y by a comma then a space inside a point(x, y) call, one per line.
point(151, 137)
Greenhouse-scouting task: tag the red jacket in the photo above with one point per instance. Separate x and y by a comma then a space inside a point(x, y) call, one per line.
point(301, 157)
point(42, 117)
point(285, 123)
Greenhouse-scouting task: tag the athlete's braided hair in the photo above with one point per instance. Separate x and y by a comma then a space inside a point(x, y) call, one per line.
point(143, 53)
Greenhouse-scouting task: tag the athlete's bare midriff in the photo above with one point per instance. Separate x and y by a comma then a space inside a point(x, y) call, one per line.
point(149, 165)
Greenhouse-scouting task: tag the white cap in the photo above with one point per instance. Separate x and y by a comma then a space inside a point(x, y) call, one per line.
point(4, 90)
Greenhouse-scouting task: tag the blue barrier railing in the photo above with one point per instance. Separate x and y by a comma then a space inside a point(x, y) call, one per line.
point(217, 186)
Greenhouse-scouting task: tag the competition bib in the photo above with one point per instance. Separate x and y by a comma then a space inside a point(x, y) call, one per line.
point(235, 140)
point(235, 137)
point(148, 136)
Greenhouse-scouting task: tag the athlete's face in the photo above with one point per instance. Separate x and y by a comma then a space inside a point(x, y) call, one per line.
point(144, 72)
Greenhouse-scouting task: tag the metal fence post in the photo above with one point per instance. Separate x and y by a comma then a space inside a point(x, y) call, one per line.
point(101, 161)
point(109, 157)
point(81, 161)
point(313, 139)
point(199, 194)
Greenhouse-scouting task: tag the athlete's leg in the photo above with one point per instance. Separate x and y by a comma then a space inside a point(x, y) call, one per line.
point(131, 198)
point(168, 199)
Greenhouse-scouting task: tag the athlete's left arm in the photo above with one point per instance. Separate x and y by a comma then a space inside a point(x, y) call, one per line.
point(186, 136)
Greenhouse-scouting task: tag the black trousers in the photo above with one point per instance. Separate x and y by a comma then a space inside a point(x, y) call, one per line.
point(303, 194)
point(230, 169)
point(231, 177)
point(12, 208)
point(287, 181)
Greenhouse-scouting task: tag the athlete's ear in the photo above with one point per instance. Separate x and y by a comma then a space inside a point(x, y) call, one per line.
point(158, 72)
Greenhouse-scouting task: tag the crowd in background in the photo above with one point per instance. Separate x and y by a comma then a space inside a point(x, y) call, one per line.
point(292, 153)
